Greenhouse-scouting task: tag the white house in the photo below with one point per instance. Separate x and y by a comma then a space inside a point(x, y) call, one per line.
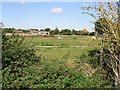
point(44, 33)
point(39, 33)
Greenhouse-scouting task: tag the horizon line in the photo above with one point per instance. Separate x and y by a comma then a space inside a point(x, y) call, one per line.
point(48, 27)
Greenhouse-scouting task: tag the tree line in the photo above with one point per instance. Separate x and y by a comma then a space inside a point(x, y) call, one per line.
point(56, 31)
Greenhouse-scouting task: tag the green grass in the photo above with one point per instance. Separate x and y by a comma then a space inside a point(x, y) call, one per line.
point(67, 40)
point(54, 53)
point(64, 50)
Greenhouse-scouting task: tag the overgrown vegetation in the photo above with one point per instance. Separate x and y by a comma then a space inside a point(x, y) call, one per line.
point(17, 59)
point(22, 68)
point(108, 24)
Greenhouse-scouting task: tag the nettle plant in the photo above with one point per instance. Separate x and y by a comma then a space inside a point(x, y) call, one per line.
point(107, 23)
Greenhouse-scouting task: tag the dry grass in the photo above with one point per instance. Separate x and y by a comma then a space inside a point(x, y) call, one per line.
point(87, 69)
point(70, 64)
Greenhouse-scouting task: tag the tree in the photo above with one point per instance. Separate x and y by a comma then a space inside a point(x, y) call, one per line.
point(109, 12)
point(41, 30)
point(47, 29)
point(8, 30)
point(52, 33)
point(92, 34)
point(56, 31)
point(73, 31)
point(66, 32)
point(26, 31)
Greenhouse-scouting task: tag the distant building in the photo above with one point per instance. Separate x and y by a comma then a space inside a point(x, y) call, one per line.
point(19, 31)
point(85, 31)
point(37, 32)
point(34, 31)
point(44, 33)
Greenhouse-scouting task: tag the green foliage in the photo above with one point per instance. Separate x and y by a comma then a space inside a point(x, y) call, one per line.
point(17, 58)
point(46, 44)
point(8, 30)
point(63, 45)
point(74, 32)
point(23, 69)
point(92, 34)
point(55, 74)
point(54, 32)
point(26, 31)
point(66, 32)
point(94, 58)
point(47, 29)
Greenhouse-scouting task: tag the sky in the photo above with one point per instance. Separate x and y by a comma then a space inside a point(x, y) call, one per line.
point(58, 0)
point(40, 15)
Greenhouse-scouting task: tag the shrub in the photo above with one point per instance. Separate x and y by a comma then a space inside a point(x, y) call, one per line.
point(55, 74)
point(17, 58)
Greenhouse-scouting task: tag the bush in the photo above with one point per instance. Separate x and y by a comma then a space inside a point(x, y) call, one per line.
point(55, 74)
point(17, 58)
point(93, 58)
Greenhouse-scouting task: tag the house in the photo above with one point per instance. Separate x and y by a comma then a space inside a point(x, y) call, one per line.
point(37, 32)
point(85, 32)
point(34, 31)
point(44, 33)
point(19, 31)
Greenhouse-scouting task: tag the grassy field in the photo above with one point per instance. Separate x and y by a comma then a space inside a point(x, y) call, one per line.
point(69, 47)
point(61, 64)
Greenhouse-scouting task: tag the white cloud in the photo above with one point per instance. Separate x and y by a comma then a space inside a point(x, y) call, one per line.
point(56, 10)
point(22, 1)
